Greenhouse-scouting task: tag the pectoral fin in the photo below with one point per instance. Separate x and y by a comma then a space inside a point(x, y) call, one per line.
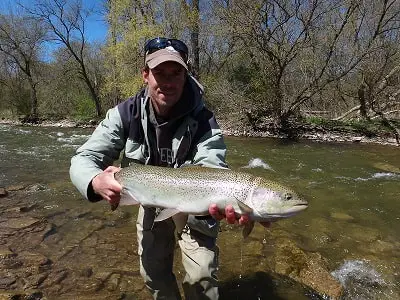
point(127, 198)
point(165, 214)
point(245, 209)
point(247, 228)
point(179, 218)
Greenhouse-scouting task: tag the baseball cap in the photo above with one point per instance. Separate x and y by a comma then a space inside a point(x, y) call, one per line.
point(159, 50)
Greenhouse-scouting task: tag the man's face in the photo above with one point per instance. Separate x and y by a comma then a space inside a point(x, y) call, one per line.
point(165, 84)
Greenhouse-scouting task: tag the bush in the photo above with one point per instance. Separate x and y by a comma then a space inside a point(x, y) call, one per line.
point(84, 108)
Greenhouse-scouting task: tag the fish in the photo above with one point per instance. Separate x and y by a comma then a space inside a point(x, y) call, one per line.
point(191, 189)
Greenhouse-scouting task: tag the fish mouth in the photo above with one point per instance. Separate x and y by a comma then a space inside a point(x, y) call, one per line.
point(294, 210)
point(298, 207)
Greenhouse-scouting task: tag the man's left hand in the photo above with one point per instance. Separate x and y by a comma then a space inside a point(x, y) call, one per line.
point(231, 216)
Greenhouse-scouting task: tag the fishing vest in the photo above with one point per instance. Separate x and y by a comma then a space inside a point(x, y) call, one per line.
point(140, 137)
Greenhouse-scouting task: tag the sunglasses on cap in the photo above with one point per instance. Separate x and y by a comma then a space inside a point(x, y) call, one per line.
point(162, 43)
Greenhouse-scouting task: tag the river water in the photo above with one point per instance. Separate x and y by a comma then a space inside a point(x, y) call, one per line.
point(352, 223)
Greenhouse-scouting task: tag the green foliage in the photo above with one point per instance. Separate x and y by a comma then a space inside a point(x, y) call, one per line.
point(15, 99)
point(22, 103)
point(6, 113)
point(130, 26)
point(84, 108)
point(317, 120)
point(242, 75)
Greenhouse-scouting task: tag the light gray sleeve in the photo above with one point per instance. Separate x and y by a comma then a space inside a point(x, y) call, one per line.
point(211, 150)
point(100, 151)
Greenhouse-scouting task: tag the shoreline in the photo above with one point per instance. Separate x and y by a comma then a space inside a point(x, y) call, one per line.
point(316, 134)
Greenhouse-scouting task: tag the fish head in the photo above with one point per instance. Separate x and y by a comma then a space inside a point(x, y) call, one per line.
point(271, 201)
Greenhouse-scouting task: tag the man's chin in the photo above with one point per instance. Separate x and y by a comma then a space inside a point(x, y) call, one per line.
point(168, 100)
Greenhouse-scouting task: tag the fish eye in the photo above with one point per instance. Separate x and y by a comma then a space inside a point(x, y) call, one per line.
point(288, 196)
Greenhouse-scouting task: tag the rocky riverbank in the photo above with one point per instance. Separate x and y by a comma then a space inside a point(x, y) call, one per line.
point(308, 131)
point(300, 131)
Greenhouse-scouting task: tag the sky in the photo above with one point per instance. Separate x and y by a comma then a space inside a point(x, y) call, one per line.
point(96, 26)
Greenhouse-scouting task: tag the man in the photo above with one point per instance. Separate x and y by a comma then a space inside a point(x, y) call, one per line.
point(165, 124)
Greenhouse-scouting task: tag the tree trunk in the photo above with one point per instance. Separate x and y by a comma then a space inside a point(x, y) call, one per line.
point(93, 93)
point(362, 98)
point(194, 38)
point(112, 22)
point(95, 97)
point(33, 116)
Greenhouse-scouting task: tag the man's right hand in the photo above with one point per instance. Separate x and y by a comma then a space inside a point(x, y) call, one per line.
point(105, 185)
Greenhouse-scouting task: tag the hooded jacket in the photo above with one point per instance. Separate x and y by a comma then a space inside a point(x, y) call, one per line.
point(197, 138)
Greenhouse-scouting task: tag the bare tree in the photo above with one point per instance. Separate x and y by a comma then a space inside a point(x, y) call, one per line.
point(378, 88)
point(20, 39)
point(301, 48)
point(112, 19)
point(66, 20)
point(192, 12)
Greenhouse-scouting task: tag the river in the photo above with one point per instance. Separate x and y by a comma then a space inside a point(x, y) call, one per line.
point(54, 244)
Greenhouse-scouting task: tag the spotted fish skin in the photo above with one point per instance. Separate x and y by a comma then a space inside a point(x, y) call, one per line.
point(192, 189)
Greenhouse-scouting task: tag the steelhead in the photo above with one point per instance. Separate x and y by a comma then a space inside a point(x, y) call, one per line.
point(191, 189)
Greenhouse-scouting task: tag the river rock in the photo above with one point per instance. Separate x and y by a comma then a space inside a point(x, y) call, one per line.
point(37, 187)
point(341, 216)
point(308, 268)
point(315, 241)
point(20, 223)
point(8, 259)
point(86, 272)
point(4, 295)
point(26, 295)
point(278, 253)
point(3, 192)
point(36, 261)
point(5, 252)
point(253, 248)
point(19, 209)
point(56, 277)
point(113, 282)
point(14, 188)
point(380, 246)
point(34, 281)
point(7, 281)
point(386, 167)
point(10, 262)
point(90, 285)
point(356, 139)
point(362, 233)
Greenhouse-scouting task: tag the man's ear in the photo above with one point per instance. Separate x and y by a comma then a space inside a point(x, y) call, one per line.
point(145, 75)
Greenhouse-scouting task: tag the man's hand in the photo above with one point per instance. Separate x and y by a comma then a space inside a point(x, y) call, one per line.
point(105, 185)
point(231, 216)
